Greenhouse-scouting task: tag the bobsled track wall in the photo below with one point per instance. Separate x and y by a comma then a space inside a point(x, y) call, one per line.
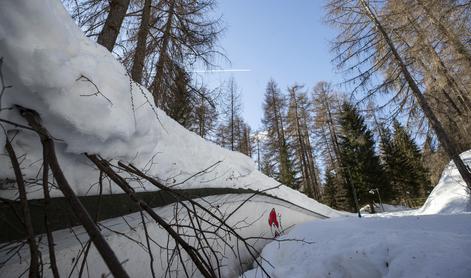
point(105, 207)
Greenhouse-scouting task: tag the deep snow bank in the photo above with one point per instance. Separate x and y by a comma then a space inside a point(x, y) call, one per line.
point(249, 221)
point(408, 246)
point(55, 70)
point(450, 195)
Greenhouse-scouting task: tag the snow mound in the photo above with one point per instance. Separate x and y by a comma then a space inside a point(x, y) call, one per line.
point(450, 195)
point(409, 246)
point(88, 102)
point(249, 221)
point(381, 208)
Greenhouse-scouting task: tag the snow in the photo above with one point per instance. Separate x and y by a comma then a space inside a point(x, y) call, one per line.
point(48, 60)
point(387, 208)
point(450, 194)
point(54, 69)
point(408, 246)
point(433, 241)
point(249, 221)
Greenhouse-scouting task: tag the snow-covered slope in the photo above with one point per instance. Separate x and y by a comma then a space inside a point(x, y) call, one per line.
point(408, 246)
point(450, 195)
point(409, 243)
point(87, 101)
point(249, 221)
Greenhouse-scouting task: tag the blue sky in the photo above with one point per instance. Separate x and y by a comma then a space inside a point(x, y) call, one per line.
point(283, 40)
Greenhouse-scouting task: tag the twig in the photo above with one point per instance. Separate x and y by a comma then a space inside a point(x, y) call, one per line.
point(33, 248)
point(98, 92)
point(103, 165)
point(100, 243)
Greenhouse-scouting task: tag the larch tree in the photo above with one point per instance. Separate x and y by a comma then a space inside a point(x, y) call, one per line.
point(205, 115)
point(100, 19)
point(368, 46)
point(326, 130)
point(185, 35)
point(274, 121)
point(297, 128)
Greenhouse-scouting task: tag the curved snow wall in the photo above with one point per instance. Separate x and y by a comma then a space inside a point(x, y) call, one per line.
point(60, 215)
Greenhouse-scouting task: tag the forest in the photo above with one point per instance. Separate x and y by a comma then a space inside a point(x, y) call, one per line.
point(403, 110)
point(119, 160)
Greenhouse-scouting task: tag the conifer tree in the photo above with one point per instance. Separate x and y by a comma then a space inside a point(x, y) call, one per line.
point(395, 166)
point(329, 193)
point(418, 176)
point(357, 149)
point(205, 115)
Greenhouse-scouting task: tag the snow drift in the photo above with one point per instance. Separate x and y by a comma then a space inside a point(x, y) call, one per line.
point(408, 246)
point(88, 102)
point(450, 195)
point(433, 241)
point(127, 238)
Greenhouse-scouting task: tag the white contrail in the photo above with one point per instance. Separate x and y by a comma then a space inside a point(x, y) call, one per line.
point(222, 70)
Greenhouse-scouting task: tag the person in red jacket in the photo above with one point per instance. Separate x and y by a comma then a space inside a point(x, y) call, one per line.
point(273, 222)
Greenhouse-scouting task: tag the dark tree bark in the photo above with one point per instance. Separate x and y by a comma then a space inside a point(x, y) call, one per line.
point(81, 213)
point(140, 52)
point(33, 248)
point(163, 56)
point(50, 238)
point(110, 31)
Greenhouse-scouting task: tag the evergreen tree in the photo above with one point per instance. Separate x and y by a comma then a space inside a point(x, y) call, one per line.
point(329, 193)
point(357, 150)
point(417, 174)
point(395, 166)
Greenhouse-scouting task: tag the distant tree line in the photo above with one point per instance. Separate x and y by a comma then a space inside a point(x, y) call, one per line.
point(321, 144)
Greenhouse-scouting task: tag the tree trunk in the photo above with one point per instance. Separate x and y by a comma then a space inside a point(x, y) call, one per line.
point(50, 238)
point(163, 56)
point(140, 52)
point(443, 138)
point(81, 213)
point(33, 248)
point(110, 31)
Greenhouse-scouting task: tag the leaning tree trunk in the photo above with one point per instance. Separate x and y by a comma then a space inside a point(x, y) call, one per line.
point(110, 31)
point(443, 138)
point(102, 246)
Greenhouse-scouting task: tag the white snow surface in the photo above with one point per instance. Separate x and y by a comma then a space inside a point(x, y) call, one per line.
point(450, 195)
point(407, 246)
point(387, 208)
point(249, 220)
point(48, 60)
point(433, 241)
